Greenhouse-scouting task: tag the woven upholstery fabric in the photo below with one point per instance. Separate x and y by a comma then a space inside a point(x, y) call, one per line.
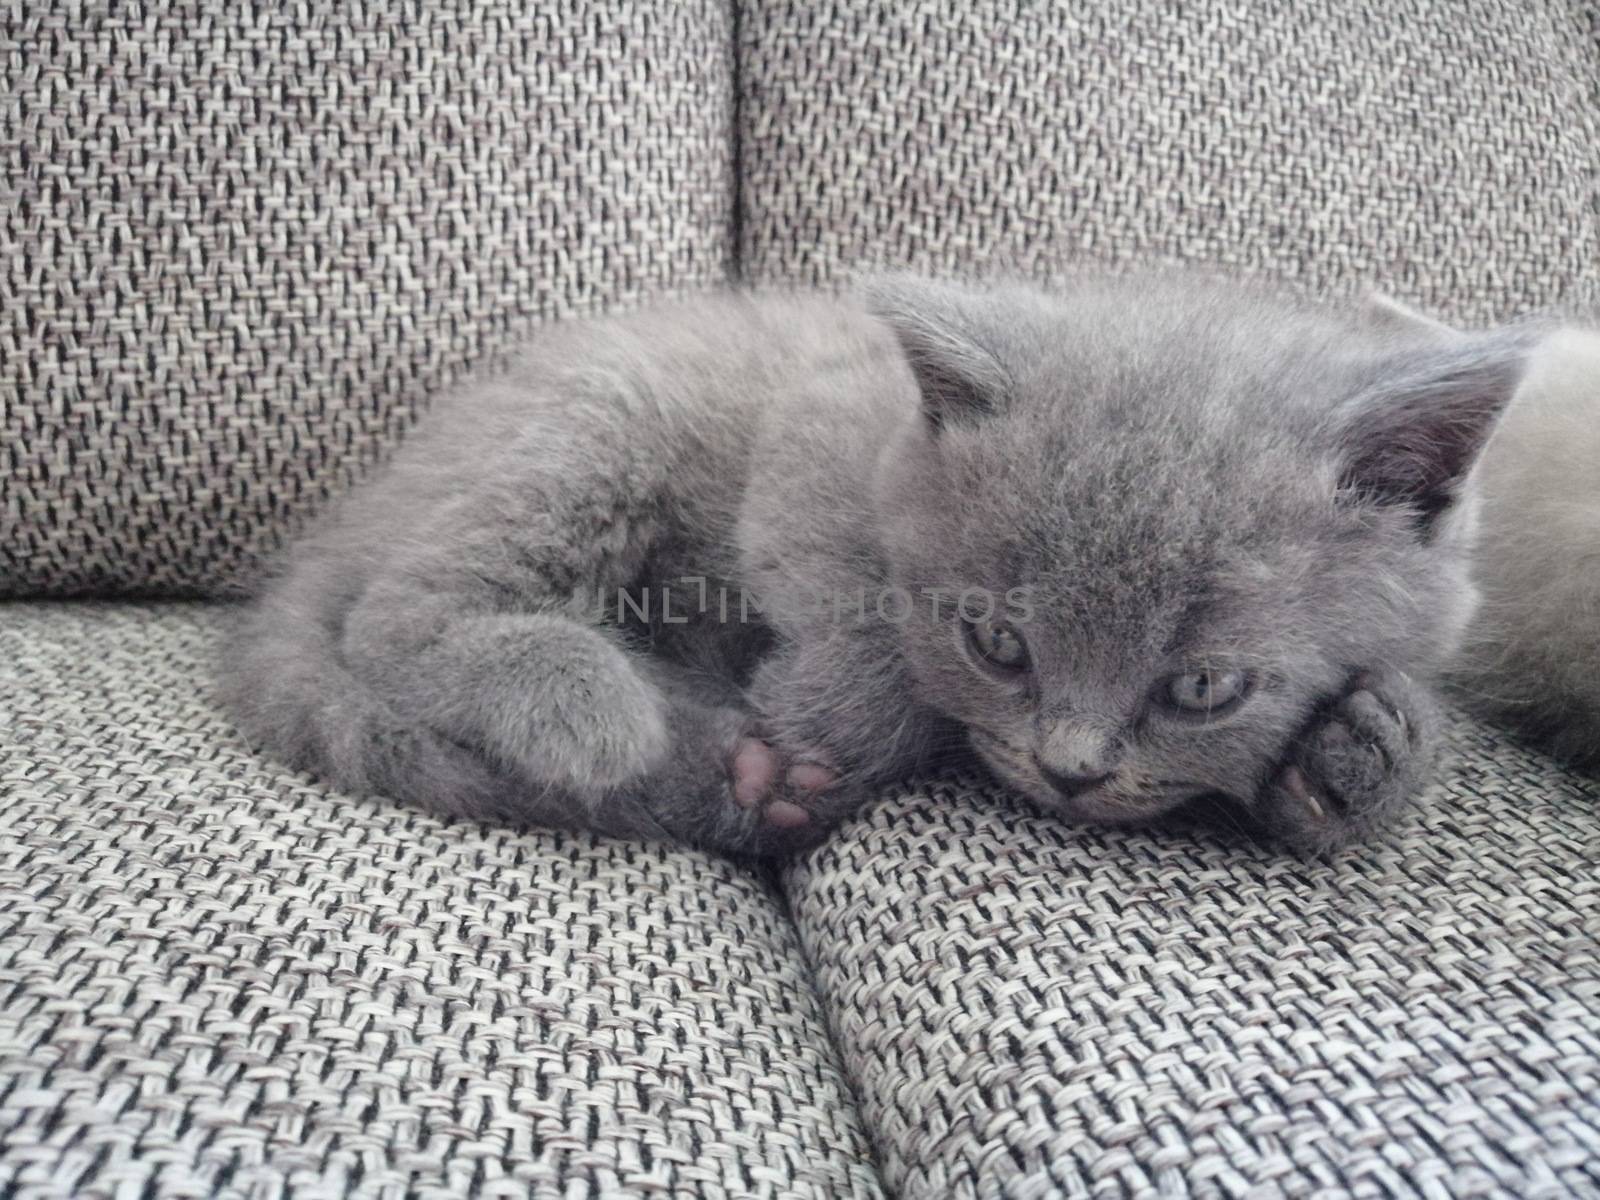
point(241, 244)
point(218, 979)
point(1030, 1010)
point(1450, 157)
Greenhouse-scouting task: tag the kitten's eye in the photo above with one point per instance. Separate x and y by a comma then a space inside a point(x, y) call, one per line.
point(1205, 692)
point(998, 644)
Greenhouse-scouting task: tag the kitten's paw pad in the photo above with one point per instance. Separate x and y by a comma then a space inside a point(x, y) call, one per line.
point(760, 783)
point(806, 783)
point(780, 794)
point(754, 771)
point(784, 814)
point(809, 777)
point(1359, 759)
point(803, 783)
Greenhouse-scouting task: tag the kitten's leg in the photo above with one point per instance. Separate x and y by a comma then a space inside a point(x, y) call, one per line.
point(553, 702)
point(1363, 755)
point(581, 729)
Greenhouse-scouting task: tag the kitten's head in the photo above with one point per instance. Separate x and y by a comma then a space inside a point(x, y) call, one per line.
point(1181, 517)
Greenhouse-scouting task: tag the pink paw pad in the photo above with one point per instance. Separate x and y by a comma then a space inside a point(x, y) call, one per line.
point(759, 778)
point(809, 777)
point(786, 815)
point(755, 770)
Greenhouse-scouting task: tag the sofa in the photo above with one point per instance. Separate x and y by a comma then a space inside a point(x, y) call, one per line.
point(243, 247)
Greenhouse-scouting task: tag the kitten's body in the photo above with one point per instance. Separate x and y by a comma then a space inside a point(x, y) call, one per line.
point(616, 464)
point(1180, 476)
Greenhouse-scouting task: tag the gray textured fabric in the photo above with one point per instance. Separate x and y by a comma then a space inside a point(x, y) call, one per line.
point(1446, 153)
point(1029, 1010)
point(216, 978)
point(241, 244)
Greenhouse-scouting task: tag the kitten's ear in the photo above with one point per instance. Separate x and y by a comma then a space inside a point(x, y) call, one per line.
point(1412, 437)
point(1383, 311)
point(960, 379)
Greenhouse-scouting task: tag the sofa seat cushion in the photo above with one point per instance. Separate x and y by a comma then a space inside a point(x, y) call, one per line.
point(216, 977)
point(1029, 1009)
point(1340, 143)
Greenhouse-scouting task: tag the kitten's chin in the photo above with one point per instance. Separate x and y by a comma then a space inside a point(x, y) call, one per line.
point(1099, 806)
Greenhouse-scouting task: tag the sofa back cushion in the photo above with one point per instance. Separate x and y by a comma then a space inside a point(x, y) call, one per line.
point(1449, 156)
point(242, 245)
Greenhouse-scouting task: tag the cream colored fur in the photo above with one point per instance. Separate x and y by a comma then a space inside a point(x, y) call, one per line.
point(1532, 652)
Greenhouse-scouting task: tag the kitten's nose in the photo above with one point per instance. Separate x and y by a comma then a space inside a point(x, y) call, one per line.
point(1077, 752)
point(1072, 785)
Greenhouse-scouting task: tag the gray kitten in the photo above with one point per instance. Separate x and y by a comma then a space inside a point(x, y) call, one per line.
point(715, 571)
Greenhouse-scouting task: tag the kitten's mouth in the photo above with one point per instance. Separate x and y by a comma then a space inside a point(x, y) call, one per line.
point(1119, 800)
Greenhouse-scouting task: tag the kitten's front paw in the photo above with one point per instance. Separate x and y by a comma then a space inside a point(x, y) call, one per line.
point(787, 795)
point(1361, 757)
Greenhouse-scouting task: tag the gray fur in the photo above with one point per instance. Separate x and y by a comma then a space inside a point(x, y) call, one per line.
point(1178, 474)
